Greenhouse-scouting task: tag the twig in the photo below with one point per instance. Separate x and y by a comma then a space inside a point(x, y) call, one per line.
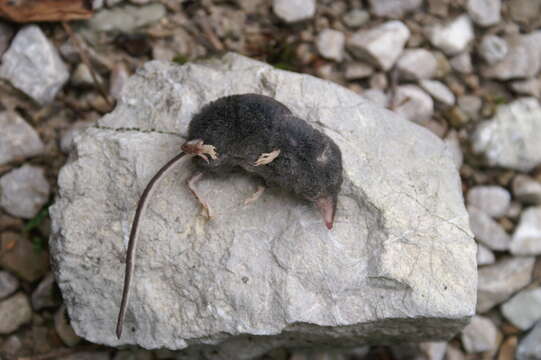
point(77, 42)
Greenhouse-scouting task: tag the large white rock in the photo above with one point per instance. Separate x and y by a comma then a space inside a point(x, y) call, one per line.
point(511, 138)
point(452, 37)
point(381, 45)
point(32, 64)
point(399, 263)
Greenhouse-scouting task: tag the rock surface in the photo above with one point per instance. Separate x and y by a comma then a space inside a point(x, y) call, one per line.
point(484, 12)
point(14, 312)
point(32, 64)
point(400, 254)
point(24, 191)
point(499, 281)
point(381, 45)
point(18, 140)
point(511, 138)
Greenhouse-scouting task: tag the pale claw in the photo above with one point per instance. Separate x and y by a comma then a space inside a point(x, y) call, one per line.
point(267, 158)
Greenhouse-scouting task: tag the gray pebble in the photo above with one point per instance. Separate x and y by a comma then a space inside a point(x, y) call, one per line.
point(8, 284)
point(356, 18)
point(493, 200)
point(24, 191)
point(439, 91)
point(485, 256)
point(526, 190)
point(46, 295)
point(18, 140)
point(330, 44)
point(14, 312)
point(480, 335)
point(488, 231)
point(484, 12)
point(414, 104)
point(524, 309)
point(294, 10)
point(529, 347)
point(527, 237)
point(493, 49)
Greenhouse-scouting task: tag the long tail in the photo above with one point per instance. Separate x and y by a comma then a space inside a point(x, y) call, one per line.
point(130, 256)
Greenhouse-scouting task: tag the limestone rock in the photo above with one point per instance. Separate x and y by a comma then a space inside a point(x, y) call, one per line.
point(493, 49)
point(399, 263)
point(453, 37)
point(527, 236)
point(526, 189)
point(14, 312)
point(511, 138)
point(126, 18)
point(484, 12)
point(493, 200)
point(488, 231)
point(381, 45)
point(17, 138)
point(523, 59)
point(414, 104)
point(499, 281)
point(24, 191)
point(529, 347)
point(330, 44)
point(415, 64)
point(524, 309)
point(294, 10)
point(32, 64)
point(393, 8)
point(480, 335)
point(439, 91)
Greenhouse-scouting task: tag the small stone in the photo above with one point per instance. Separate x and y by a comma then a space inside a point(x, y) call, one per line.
point(11, 346)
point(527, 237)
point(493, 48)
point(119, 76)
point(413, 104)
point(484, 12)
point(438, 91)
point(8, 284)
point(6, 33)
point(330, 44)
point(526, 190)
point(485, 256)
point(381, 45)
point(453, 37)
point(82, 77)
point(462, 63)
point(524, 309)
point(530, 87)
point(358, 70)
point(523, 58)
point(470, 105)
point(294, 10)
point(491, 199)
point(377, 96)
point(14, 312)
point(378, 81)
point(457, 118)
point(356, 18)
point(19, 255)
point(453, 145)
point(433, 350)
point(393, 8)
point(127, 18)
point(529, 347)
point(480, 335)
point(511, 138)
point(71, 54)
point(524, 10)
point(497, 282)
point(46, 294)
point(18, 140)
point(488, 231)
point(24, 191)
point(32, 64)
point(454, 353)
point(64, 329)
point(415, 64)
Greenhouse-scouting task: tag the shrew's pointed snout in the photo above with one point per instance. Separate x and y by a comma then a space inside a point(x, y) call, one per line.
point(327, 208)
